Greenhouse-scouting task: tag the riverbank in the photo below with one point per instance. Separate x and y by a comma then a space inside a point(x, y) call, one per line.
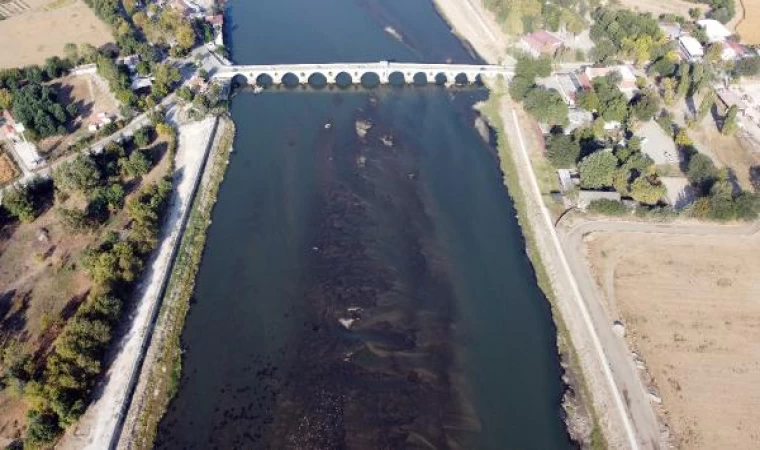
point(159, 378)
point(99, 426)
point(593, 419)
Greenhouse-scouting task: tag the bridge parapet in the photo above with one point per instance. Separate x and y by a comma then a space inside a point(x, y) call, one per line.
point(356, 71)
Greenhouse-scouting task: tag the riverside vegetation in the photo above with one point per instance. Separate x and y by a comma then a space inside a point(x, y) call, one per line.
point(164, 374)
point(56, 380)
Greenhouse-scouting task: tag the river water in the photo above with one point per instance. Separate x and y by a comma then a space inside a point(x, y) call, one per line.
point(406, 235)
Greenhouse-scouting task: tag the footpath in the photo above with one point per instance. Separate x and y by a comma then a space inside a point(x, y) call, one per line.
point(99, 428)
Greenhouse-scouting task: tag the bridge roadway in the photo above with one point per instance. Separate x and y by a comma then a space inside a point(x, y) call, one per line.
point(451, 73)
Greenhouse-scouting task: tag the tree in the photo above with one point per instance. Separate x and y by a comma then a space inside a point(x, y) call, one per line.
point(706, 105)
point(6, 99)
point(695, 13)
point(668, 91)
point(165, 76)
point(588, 100)
point(643, 190)
point(79, 175)
point(142, 137)
point(730, 122)
point(701, 171)
point(683, 139)
point(36, 107)
point(684, 79)
point(613, 106)
point(43, 427)
point(562, 150)
point(546, 106)
point(20, 203)
point(185, 93)
point(597, 170)
point(645, 105)
point(136, 165)
point(74, 220)
point(72, 52)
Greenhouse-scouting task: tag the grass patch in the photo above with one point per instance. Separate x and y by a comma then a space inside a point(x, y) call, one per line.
point(55, 4)
point(491, 111)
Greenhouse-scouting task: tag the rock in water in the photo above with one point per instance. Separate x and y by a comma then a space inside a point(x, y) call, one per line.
point(362, 127)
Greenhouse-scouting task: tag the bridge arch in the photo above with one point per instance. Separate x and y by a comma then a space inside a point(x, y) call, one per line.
point(370, 79)
point(344, 79)
point(239, 79)
point(421, 79)
point(397, 78)
point(317, 79)
point(290, 79)
point(264, 79)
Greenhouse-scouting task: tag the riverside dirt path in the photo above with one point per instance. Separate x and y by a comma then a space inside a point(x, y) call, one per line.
point(99, 426)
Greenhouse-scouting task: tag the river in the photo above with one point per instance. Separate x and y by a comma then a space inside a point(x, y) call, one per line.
point(362, 292)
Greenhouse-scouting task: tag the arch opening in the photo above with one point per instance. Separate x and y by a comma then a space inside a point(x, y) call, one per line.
point(264, 80)
point(290, 80)
point(239, 81)
point(343, 79)
point(461, 79)
point(396, 79)
point(420, 79)
point(317, 80)
point(441, 79)
point(370, 80)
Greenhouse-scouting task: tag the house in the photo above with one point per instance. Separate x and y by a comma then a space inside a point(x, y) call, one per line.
point(578, 118)
point(715, 31)
point(586, 196)
point(691, 48)
point(540, 43)
point(130, 62)
point(98, 121)
point(671, 30)
point(216, 21)
point(627, 83)
point(732, 51)
point(656, 144)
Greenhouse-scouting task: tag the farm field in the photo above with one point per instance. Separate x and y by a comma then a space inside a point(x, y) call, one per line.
point(8, 169)
point(748, 28)
point(691, 308)
point(34, 30)
point(657, 7)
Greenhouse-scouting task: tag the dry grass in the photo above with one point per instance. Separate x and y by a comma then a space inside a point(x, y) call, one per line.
point(38, 29)
point(657, 7)
point(42, 283)
point(8, 169)
point(727, 151)
point(748, 27)
point(91, 96)
point(691, 306)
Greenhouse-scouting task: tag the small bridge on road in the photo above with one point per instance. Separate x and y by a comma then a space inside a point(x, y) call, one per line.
point(386, 72)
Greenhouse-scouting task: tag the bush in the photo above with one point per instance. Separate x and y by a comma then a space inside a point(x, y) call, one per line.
point(43, 427)
point(608, 207)
point(19, 202)
point(598, 169)
point(562, 150)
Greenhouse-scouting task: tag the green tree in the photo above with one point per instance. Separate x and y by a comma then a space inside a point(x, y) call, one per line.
point(684, 80)
point(730, 123)
point(136, 165)
point(701, 171)
point(20, 203)
point(79, 175)
point(142, 137)
point(546, 106)
point(597, 170)
point(74, 220)
point(36, 107)
point(6, 99)
point(706, 105)
point(643, 190)
point(562, 150)
point(645, 105)
point(43, 427)
point(668, 91)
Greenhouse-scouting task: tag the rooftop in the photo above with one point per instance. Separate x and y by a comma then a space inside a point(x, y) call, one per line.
point(542, 41)
point(716, 31)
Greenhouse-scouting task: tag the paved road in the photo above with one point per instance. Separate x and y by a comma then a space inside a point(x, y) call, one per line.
point(616, 349)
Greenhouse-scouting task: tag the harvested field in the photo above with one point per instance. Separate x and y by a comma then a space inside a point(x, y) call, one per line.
point(748, 27)
point(8, 169)
point(657, 7)
point(691, 307)
point(37, 29)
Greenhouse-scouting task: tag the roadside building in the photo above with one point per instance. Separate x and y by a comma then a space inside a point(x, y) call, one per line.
point(656, 144)
point(627, 83)
point(671, 30)
point(586, 196)
point(715, 31)
point(691, 48)
point(732, 51)
point(540, 43)
point(98, 121)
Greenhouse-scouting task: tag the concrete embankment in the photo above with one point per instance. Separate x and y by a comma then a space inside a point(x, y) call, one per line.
point(580, 345)
point(100, 426)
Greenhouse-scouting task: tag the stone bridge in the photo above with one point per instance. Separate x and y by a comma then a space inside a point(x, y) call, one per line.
point(354, 72)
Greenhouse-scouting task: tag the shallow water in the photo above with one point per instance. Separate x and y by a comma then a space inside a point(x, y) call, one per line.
point(408, 231)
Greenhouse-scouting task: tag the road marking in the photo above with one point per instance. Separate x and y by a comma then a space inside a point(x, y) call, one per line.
point(578, 297)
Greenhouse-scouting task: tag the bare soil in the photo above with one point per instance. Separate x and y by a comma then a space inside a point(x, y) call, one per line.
point(691, 308)
point(748, 26)
point(8, 169)
point(38, 29)
point(657, 7)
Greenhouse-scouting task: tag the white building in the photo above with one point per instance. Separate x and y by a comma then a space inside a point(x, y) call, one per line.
point(714, 30)
point(691, 48)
